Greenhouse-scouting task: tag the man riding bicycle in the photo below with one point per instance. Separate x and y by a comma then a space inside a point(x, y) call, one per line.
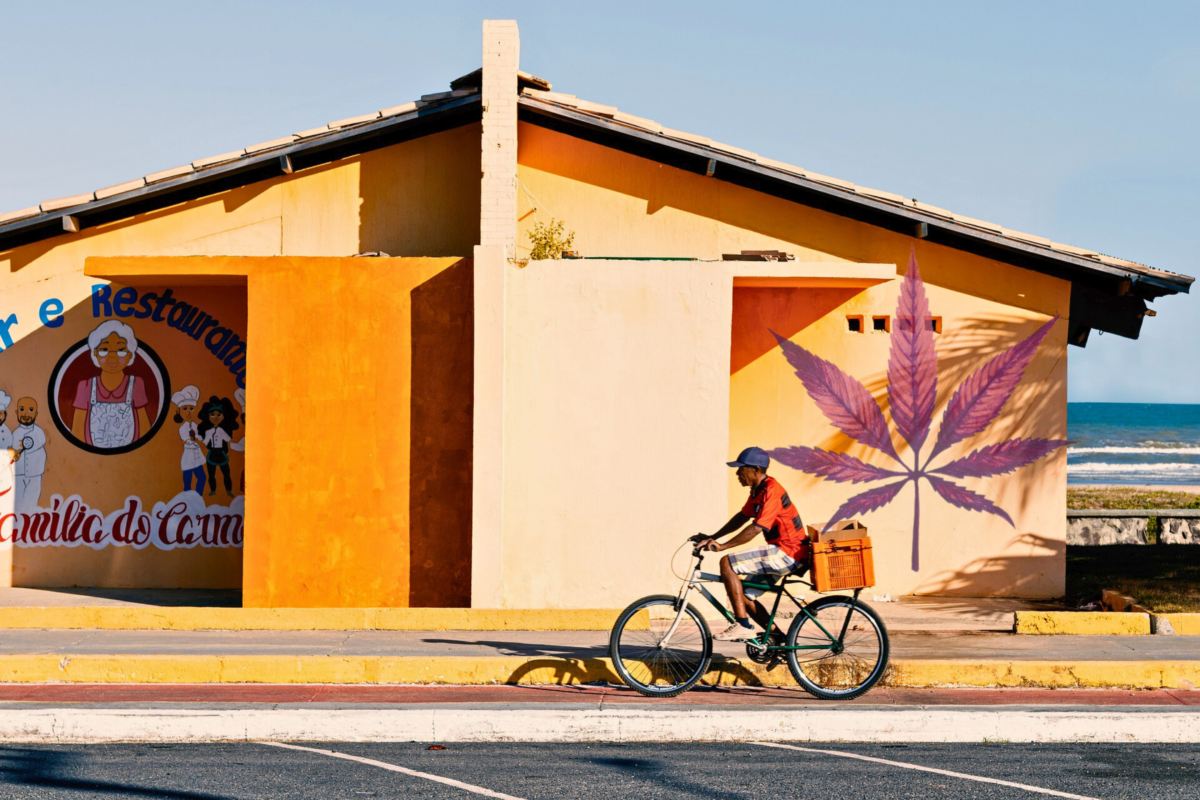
point(772, 514)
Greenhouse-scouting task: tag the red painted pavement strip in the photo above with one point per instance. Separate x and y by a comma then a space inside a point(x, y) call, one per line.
point(474, 695)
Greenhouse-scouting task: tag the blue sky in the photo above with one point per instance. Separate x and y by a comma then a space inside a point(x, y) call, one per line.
point(1072, 120)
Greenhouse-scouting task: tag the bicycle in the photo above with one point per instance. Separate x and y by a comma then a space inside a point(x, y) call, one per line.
point(668, 648)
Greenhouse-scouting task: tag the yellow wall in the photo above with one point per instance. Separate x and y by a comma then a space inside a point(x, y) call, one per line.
point(359, 385)
point(621, 205)
point(961, 552)
point(416, 198)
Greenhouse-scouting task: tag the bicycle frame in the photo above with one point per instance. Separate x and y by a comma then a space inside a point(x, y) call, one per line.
point(697, 579)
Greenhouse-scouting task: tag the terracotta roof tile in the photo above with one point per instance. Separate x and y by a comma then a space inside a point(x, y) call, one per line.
point(166, 174)
point(120, 188)
point(311, 132)
point(882, 195)
point(280, 142)
point(403, 108)
point(978, 223)
point(687, 137)
point(595, 108)
point(637, 122)
point(737, 151)
point(782, 166)
point(1028, 237)
point(344, 123)
point(60, 203)
point(208, 162)
point(24, 213)
point(814, 176)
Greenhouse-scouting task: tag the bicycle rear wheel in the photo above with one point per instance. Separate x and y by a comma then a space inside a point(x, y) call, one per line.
point(641, 660)
point(838, 673)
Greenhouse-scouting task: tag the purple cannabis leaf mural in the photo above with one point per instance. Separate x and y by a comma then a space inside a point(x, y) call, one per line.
point(912, 391)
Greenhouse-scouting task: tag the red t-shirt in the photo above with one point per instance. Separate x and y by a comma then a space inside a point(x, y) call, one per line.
point(773, 511)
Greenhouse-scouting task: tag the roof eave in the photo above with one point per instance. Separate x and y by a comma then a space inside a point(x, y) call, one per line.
point(909, 221)
point(246, 170)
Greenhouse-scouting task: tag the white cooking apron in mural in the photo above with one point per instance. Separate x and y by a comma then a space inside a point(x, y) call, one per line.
point(111, 425)
point(193, 456)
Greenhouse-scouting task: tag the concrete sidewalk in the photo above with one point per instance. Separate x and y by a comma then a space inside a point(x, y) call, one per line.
point(561, 657)
point(198, 609)
point(568, 645)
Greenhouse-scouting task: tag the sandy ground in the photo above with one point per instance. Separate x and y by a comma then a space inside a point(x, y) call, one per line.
point(1193, 489)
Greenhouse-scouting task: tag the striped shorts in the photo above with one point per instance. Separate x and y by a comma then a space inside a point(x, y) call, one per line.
point(766, 561)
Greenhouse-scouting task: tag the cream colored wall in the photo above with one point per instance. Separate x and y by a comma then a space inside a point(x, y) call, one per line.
point(616, 420)
point(616, 392)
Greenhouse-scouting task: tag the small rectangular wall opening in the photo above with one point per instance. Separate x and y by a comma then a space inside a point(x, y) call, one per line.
point(854, 323)
point(881, 324)
point(935, 324)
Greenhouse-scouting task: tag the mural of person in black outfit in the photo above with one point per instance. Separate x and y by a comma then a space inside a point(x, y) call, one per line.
point(218, 421)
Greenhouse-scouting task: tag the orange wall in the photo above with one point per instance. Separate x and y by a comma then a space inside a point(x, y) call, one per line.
point(359, 385)
point(416, 198)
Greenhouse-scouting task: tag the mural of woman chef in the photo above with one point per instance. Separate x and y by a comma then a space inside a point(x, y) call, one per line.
point(218, 421)
point(186, 400)
point(110, 409)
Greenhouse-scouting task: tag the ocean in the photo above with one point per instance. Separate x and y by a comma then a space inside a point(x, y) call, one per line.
point(1133, 443)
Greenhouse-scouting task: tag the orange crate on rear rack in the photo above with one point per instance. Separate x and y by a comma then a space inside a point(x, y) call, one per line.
point(845, 564)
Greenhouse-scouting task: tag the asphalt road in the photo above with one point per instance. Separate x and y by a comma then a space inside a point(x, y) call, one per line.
point(565, 771)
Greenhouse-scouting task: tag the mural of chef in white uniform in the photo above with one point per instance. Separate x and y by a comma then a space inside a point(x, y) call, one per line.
point(6, 440)
point(110, 409)
point(29, 440)
point(193, 460)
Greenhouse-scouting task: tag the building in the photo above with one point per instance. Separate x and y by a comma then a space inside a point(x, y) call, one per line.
point(451, 425)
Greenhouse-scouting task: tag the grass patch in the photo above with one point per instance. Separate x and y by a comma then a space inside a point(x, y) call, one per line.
point(1165, 578)
point(1131, 497)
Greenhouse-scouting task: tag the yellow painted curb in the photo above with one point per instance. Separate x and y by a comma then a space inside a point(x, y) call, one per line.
point(1083, 623)
point(125, 669)
point(1183, 624)
point(309, 619)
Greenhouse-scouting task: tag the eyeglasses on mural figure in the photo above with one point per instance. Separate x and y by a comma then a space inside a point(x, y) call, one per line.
point(108, 392)
point(912, 391)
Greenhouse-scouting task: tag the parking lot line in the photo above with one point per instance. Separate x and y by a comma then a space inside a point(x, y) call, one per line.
point(466, 787)
point(946, 772)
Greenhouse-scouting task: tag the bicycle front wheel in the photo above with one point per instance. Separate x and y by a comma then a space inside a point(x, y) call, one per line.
point(833, 671)
point(649, 663)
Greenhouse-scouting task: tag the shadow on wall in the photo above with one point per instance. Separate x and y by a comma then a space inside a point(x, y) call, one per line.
point(967, 345)
point(440, 476)
point(421, 198)
point(1015, 572)
point(787, 311)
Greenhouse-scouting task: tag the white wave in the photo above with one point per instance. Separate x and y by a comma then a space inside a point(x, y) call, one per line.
point(1180, 450)
point(1156, 468)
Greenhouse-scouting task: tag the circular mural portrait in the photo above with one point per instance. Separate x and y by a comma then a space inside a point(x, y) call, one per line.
point(108, 392)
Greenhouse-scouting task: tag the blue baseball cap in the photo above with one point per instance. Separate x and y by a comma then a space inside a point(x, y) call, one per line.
point(752, 457)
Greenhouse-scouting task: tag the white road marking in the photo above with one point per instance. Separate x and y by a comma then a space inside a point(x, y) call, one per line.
point(466, 787)
point(962, 775)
